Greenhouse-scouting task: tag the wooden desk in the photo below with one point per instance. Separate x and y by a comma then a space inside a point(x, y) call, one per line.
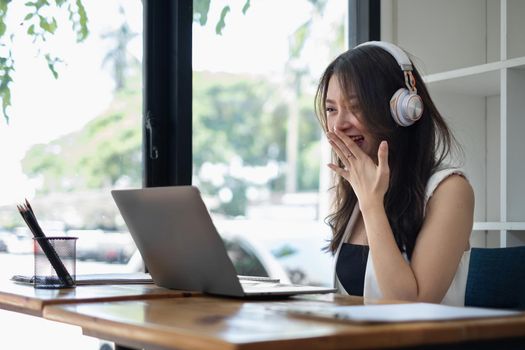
point(28, 300)
point(218, 323)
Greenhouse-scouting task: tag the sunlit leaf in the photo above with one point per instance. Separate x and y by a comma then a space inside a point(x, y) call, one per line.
point(43, 23)
point(48, 25)
point(3, 6)
point(28, 16)
point(221, 24)
point(52, 69)
point(7, 78)
point(53, 25)
point(200, 11)
point(6, 102)
point(246, 7)
point(83, 32)
point(51, 65)
point(2, 28)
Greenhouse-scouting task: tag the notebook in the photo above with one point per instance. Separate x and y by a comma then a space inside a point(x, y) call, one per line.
point(181, 247)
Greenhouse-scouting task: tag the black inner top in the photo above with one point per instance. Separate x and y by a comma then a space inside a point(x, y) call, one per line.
point(351, 266)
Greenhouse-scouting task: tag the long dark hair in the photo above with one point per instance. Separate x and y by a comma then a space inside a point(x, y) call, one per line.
point(415, 152)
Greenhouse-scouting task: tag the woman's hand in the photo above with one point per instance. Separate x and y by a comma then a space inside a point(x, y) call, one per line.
point(368, 180)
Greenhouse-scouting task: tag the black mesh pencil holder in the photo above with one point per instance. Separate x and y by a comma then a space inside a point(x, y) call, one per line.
point(55, 262)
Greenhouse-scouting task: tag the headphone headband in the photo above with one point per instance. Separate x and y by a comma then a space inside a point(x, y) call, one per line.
point(406, 106)
point(400, 55)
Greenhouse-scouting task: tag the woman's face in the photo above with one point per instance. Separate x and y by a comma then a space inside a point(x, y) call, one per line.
point(346, 116)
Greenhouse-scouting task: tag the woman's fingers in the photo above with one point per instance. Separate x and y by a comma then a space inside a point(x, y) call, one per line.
point(339, 171)
point(354, 149)
point(341, 146)
point(382, 157)
point(341, 151)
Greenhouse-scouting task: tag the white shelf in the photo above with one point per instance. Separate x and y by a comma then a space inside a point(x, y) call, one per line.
point(477, 82)
point(480, 80)
point(499, 226)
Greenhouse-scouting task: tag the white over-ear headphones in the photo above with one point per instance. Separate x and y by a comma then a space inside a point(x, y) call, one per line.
point(406, 105)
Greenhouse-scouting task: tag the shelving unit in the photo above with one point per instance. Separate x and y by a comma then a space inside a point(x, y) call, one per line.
point(472, 56)
point(480, 80)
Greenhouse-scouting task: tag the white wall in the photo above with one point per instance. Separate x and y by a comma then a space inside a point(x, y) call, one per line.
point(442, 25)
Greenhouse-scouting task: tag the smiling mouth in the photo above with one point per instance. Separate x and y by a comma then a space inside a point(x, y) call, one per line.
point(358, 139)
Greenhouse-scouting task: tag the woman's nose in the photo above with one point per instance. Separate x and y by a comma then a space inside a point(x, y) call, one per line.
point(342, 122)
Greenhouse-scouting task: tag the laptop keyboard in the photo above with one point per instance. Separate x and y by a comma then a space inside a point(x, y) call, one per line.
point(243, 279)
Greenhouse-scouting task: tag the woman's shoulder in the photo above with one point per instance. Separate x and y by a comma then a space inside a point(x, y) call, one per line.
point(449, 185)
point(454, 175)
point(455, 183)
point(443, 172)
point(454, 188)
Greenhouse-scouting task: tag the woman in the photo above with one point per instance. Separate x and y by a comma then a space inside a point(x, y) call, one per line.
point(402, 216)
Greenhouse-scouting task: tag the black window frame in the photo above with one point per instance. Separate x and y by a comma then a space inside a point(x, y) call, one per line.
point(167, 94)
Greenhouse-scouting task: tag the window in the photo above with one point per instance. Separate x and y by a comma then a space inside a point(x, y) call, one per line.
point(71, 139)
point(258, 158)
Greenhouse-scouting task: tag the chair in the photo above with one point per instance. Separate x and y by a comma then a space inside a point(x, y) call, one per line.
point(496, 278)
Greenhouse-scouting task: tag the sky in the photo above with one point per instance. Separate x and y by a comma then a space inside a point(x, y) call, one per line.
point(249, 42)
point(44, 108)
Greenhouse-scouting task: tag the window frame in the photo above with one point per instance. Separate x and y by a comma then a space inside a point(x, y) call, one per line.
point(167, 94)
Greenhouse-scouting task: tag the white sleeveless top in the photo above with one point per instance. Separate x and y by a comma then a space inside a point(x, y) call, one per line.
point(456, 292)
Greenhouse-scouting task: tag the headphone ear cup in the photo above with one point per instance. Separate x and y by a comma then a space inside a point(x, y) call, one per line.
point(406, 108)
point(395, 105)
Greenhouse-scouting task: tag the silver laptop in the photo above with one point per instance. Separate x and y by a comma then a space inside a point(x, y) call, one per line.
point(181, 247)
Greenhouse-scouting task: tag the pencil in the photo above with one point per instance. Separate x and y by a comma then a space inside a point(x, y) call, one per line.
point(29, 217)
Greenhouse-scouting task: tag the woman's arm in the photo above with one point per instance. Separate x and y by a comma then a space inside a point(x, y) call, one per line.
point(438, 250)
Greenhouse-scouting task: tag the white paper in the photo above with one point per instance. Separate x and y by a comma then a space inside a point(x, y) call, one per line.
point(411, 312)
point(94, 279)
